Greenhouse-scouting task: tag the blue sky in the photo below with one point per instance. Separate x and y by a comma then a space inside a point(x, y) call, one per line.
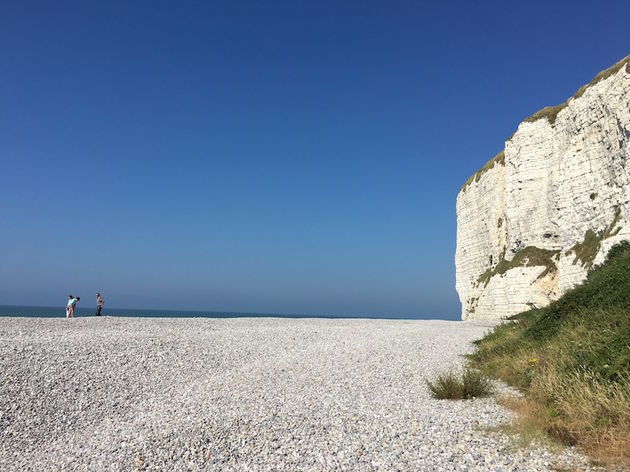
point(274, 157)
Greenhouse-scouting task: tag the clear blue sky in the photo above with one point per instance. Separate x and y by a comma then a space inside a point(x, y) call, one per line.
point(288, 157)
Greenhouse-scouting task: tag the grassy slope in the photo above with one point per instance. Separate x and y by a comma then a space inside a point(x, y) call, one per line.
point(572, 361)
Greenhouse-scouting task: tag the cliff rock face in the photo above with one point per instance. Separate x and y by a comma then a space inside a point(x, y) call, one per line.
point(534, 220)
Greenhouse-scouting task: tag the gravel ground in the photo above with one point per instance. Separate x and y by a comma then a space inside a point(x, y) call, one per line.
point(245, 394)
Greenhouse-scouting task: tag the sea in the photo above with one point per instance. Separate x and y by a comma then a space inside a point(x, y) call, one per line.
point(87, 310)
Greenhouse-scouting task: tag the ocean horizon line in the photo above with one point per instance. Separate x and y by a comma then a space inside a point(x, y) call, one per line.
point(50, 311)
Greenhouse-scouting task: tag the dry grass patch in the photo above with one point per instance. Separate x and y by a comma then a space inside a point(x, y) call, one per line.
point(526, 428)
point(594, 418)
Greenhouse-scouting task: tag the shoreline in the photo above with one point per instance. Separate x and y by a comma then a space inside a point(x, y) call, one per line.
point(236, 316)
point(490, 323)
point(262, 317)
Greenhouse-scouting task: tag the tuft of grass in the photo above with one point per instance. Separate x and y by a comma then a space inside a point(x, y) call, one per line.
point(446, 387)
point(587, 250)
point(551, 113)
point(571, 360)
point(475, 384)
point(529, 256)
point(499, 159)
point(449, 386)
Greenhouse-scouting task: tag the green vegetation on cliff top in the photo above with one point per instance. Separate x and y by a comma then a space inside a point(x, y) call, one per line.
point(571, 360)
point(498, 159)
point(551, 113)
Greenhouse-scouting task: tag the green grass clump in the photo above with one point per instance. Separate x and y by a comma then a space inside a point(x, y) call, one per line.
point(550, 113)
point(571, 359)
point(529, 256)
point(449, 386)
point(587, 250)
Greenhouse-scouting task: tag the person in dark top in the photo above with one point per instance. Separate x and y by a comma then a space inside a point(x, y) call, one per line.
point(99, 304)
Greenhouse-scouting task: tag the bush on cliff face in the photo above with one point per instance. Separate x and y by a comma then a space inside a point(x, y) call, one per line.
point(586, 251)
point(572, 361)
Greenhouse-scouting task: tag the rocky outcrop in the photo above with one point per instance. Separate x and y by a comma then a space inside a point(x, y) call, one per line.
point(537, 216)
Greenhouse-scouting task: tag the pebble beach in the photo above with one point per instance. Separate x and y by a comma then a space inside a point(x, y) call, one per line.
point(247, 394)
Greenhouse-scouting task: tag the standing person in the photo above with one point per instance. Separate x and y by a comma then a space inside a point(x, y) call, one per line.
point(69, 306)
point(73, 305)
point(99, 304)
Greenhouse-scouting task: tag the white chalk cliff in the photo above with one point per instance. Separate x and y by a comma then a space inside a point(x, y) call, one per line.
point(536, 217)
